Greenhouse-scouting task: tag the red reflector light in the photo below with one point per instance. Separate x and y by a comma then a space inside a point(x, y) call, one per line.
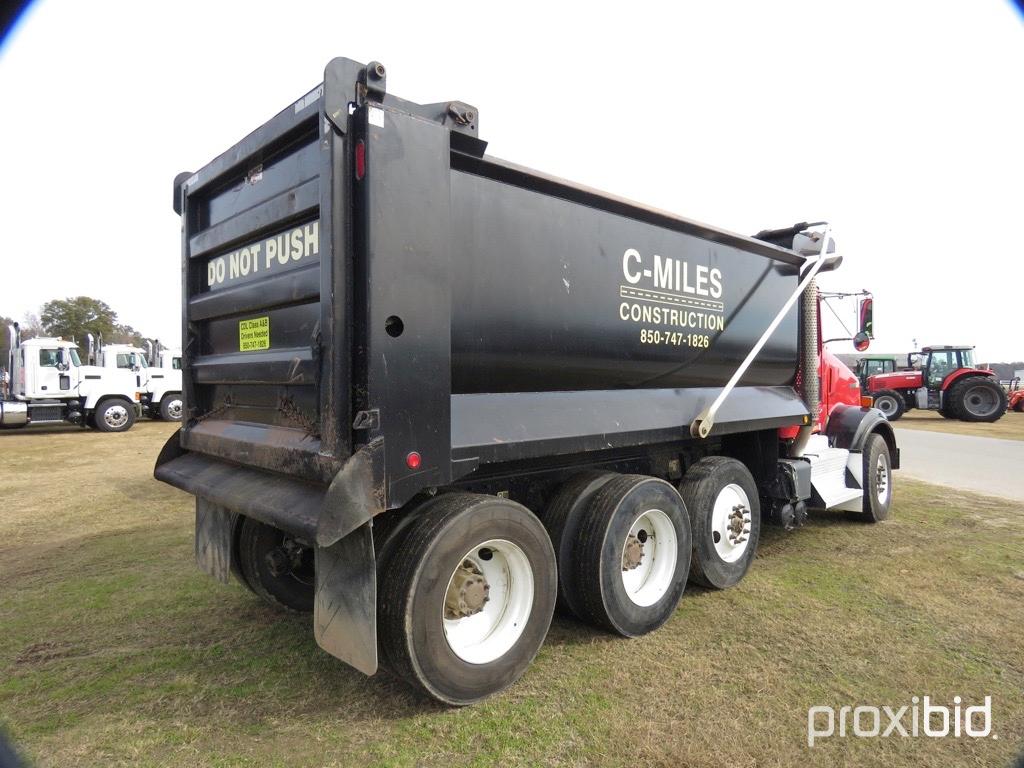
point(360, 159)
point(413, 460)
point(867, 401)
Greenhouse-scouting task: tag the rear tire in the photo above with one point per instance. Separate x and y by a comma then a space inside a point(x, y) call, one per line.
point(467, 598)
point(170, 407)
point(632, 555)
point(268, 571)
point(891, 403)
point(236, 565)
point(561, 518)
point(725, 515)
point(114, 415)
point(1019, 405)
point(877, 480)
point(977, 398)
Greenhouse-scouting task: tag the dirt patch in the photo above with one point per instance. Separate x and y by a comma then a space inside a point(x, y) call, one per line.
point(38, 653)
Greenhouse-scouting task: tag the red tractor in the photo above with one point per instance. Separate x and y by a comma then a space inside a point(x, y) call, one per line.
point(947, 382)
point(1015, 396)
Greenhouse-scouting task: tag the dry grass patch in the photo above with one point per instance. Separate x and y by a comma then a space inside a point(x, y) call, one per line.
point(1009, 427)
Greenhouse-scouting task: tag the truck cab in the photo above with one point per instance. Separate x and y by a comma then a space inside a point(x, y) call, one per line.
point(160, 387)
point(162, 399)
point(49, 384)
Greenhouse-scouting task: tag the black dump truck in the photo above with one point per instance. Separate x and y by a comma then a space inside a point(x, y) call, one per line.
point(429, 395)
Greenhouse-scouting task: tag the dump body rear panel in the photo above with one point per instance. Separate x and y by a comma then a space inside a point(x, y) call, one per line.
point(259, 360)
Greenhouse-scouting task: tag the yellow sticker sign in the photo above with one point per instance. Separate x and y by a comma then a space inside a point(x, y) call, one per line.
point(254, 334)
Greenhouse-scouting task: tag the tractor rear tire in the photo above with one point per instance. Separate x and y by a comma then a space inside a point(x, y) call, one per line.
point(1019, 405)
point(891, 403)
point(977, 398)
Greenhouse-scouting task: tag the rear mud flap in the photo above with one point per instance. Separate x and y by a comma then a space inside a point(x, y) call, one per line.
point(344, 612)
point(345, 609)
point(335, 521)
point(213, 539)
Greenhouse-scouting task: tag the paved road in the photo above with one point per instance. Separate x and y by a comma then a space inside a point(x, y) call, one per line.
point(983, 464)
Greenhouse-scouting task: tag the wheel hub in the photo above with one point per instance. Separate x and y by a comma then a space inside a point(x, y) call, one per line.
point(633, 552)
point(468, 592)
point(738, 525)
point(286, 559)
point(116, 416)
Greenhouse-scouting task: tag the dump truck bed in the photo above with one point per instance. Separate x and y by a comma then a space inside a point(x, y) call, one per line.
point(357, 272)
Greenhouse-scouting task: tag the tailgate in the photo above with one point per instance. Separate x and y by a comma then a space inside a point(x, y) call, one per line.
point(261, 386)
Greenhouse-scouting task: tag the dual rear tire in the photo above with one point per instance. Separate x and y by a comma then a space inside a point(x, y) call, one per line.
point(627, 544)
point(466, 603)
point(725, 514)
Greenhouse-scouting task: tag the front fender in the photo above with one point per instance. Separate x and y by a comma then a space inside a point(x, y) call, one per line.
point(849, 426)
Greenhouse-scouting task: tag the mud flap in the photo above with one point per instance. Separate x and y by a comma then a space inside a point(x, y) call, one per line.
point(344, 612)
point(345, 609)
point(213, 539)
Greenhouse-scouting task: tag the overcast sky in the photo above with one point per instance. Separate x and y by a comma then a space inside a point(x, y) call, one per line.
point(900, 122)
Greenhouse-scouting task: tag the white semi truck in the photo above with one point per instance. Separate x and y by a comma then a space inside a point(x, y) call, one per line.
point(153, 371)
point(47, 383)
point(164, 392)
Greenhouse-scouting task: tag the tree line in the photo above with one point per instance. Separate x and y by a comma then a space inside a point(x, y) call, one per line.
point(73, 318)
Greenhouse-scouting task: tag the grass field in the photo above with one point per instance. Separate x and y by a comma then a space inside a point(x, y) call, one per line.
point(1009, 427)
point(115, 650)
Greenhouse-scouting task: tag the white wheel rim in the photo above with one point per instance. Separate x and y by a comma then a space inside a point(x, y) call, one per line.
point(491, 633)
point(115, 416)
point(174, 409)
point(647, 583)
point(882, 479)
point(886, 405)
point(731, 523)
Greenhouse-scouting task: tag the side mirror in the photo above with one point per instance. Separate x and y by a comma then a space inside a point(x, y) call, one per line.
point(861, 341)
point(867, 319)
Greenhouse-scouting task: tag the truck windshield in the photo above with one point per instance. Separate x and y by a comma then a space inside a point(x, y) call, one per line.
point(131, 360)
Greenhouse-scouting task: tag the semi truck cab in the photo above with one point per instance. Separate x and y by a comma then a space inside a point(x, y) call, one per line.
point(163, 397)
point(49, 384)
point(160, 387)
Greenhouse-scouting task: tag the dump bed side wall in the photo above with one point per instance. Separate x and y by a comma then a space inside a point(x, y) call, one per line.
point(550, 294)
